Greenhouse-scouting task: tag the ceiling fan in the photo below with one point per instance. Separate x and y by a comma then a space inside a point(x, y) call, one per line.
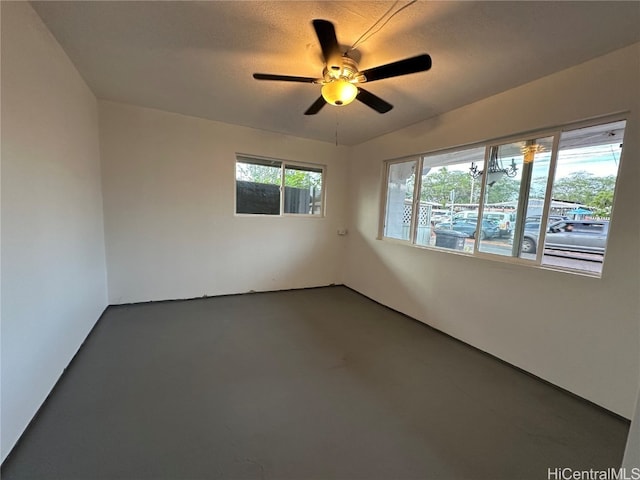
point(341, 78)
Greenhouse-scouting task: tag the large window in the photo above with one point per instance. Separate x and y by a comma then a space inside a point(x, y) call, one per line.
point(274, 187)
point(539, 200)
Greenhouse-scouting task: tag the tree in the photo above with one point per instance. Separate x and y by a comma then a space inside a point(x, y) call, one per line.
point(252, 172)
point(583, 187)
point(504, 190)
point(272, 175)
point(579, 187)
point(602, 203)
point(302, 178)
point(538, 187)
point(437, 186)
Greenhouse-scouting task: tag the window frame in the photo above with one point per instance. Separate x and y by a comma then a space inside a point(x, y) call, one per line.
point(385, 179)
point(521, 209)
point(284, 165)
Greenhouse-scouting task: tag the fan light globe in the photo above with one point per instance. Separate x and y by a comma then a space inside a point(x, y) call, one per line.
point(339, 92)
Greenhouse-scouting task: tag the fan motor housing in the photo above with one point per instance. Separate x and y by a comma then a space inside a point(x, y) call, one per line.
point(348, 71)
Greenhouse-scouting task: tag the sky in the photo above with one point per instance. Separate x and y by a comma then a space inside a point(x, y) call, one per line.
point(601, 160)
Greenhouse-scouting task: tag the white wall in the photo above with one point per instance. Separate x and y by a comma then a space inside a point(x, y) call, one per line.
point(577, 332)
point(632, 451)
point(171, 232)
point(53, 260)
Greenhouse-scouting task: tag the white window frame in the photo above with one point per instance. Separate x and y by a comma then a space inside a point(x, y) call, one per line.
point(284, 164)
point(554, 132)
point(385, 178)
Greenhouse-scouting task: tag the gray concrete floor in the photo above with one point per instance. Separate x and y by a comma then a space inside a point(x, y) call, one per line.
point(307, 384)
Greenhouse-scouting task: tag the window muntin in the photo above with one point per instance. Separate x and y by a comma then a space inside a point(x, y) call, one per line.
point(274, 187)
point(534, 197)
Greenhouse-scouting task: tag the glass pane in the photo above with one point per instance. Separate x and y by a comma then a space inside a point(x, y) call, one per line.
point(399, 208)
point(583, 188)
point(258, 188)
point(447, 188)
point(501, 195)
point(303, 190)
point(517, 173)
point(536, 162)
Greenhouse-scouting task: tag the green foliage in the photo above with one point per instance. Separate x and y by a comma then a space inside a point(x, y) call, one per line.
point(579, 187)
point(587, 189)
point(504, 190)
point(258, 173)
point(538, 187)
point(602, 203)
point(301, 178)
point(437, 186)
point(273, 175)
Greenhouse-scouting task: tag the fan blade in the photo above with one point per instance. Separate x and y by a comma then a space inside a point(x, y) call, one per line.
point(316, 107)
point(329, 43)
point(373, 101)
point(284, 78)
point(416, 64)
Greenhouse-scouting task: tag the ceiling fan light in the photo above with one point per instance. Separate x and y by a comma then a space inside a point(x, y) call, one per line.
point(339, 92)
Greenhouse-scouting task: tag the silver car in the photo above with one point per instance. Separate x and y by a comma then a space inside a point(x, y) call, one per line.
point(574, 235)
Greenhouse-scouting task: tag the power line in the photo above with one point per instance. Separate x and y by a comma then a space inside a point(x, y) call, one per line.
point(364, 38)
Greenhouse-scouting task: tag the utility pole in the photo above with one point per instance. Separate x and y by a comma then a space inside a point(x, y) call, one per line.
point(452, 199)
point(473, 181)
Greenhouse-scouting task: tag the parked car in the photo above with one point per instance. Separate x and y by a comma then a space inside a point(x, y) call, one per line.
point(573, 235)
point(504, 220)
point(550, 220)
point(466, 214)
point(439, 215)
point(468, 226)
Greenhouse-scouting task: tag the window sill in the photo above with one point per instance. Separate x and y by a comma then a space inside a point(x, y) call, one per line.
point(496, 258)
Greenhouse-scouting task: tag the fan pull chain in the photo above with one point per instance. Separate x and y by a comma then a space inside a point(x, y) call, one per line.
point(336, 128)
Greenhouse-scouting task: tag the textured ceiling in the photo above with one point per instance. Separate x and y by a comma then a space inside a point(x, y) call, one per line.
point(197, 58)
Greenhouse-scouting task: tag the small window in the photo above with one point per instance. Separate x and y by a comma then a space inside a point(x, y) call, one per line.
point(274, 187)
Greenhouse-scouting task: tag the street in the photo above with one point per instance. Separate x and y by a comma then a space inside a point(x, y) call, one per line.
point(588, 262)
